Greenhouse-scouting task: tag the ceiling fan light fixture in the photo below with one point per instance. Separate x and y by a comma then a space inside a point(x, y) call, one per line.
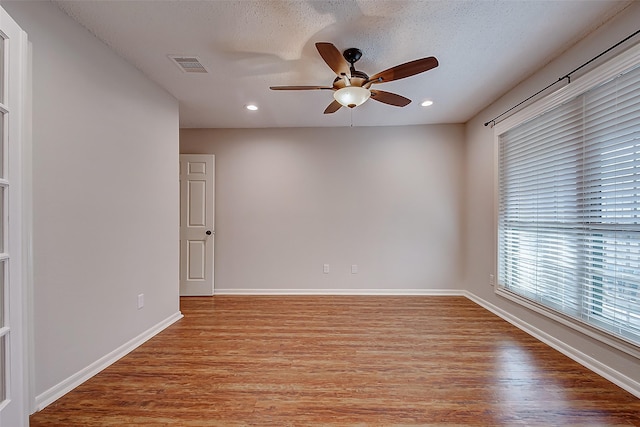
point(352, 96)
point(351, 87)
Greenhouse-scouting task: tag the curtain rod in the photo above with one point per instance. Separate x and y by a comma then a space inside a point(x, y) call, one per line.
point(566, 76)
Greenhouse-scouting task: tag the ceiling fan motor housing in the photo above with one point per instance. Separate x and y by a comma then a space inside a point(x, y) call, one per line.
point(352, 55)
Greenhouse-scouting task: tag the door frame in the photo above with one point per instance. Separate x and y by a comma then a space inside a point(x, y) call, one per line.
point(18, 163)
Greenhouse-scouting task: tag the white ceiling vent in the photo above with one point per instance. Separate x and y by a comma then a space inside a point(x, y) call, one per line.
point(188, 63)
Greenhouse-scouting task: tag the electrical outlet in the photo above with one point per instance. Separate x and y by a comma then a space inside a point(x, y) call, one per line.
point(140, 301)
point(325, 268)
point(354, 268)
point(492, 279)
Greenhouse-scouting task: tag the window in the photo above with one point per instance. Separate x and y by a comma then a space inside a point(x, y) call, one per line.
point(569, 204)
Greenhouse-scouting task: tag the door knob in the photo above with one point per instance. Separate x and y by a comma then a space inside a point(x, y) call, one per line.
point(208, 232)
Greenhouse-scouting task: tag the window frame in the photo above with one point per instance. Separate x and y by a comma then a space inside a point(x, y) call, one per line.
point(610, 69)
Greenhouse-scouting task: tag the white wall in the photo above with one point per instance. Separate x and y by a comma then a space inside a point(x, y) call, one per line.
point(105, 196)
point(290, 200)
point(479, 224)
point(412, 206)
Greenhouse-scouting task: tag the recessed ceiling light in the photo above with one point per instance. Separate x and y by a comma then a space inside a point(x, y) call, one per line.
point(251, 107)
point(427, 103)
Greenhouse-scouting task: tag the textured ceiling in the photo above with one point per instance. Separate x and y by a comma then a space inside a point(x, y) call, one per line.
point(484, 49)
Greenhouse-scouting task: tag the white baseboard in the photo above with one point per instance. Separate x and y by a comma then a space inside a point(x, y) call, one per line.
point(398, 292)
point(62, 388)
point(585, 360)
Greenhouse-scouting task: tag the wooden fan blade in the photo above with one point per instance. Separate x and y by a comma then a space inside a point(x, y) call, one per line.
point(300, 88)
point(407, 69)
point(333, 107)
point(333, 58)
point(390, 98)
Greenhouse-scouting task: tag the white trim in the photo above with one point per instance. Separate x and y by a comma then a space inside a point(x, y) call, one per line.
point(62, 388)
point(27, 225)
point(399, 292)
point(585, 360)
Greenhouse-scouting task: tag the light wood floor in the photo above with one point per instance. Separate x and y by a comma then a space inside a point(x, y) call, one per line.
point(341, 361)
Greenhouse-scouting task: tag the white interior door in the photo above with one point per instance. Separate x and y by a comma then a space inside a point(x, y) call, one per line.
point(13, 71)
point(197, 233)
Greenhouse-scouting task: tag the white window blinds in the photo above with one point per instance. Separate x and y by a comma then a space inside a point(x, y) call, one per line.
point(569, 207)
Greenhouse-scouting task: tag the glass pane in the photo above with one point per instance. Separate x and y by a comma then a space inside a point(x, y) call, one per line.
point(2, 42)
point(3, 369)
point(3, 292)
point(3, 204)
point(2, 144)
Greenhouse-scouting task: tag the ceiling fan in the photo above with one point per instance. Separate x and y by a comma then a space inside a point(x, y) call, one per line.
point(352, 87)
